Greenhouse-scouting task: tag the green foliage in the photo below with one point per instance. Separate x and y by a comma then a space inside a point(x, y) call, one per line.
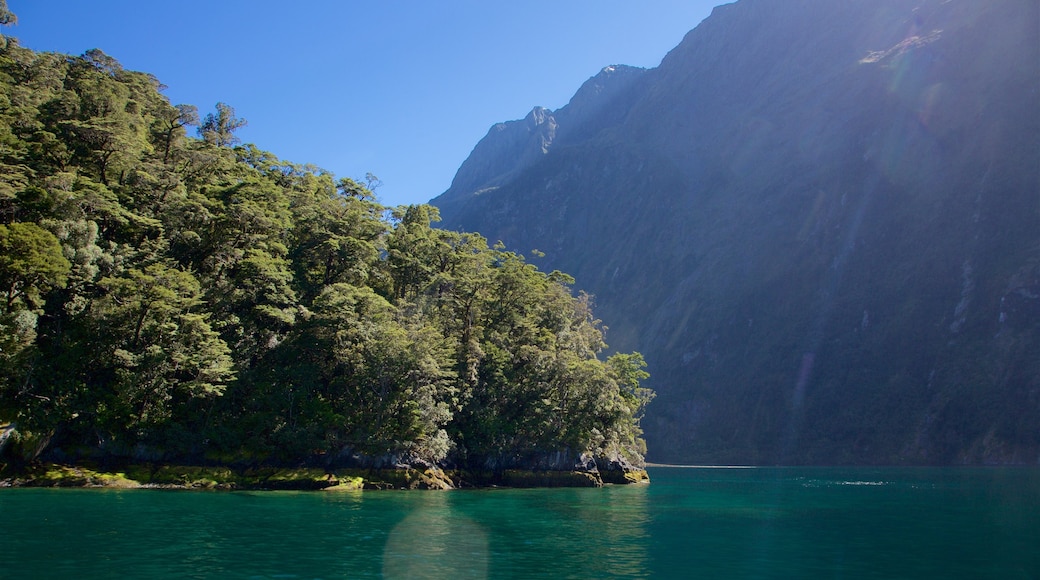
point(219, 128)
point(31, 262)
point(166, 296)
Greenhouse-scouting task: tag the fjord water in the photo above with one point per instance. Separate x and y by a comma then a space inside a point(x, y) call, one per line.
point(689, 523)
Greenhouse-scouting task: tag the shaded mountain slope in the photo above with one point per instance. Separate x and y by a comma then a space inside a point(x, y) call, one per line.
point(819, 221)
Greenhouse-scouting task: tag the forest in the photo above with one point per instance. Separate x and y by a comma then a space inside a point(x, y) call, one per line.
point(170, 294)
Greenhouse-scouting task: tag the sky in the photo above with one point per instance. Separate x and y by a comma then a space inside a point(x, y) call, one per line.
point(401, 89)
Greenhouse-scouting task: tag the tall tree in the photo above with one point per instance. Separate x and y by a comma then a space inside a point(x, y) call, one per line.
point(171, 124)
point(219, 128)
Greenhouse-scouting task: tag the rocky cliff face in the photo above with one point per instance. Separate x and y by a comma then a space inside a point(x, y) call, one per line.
point(819, 221)
point(514, 146)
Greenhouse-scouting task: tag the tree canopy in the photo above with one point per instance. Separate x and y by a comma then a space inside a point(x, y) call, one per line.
point(180, 297)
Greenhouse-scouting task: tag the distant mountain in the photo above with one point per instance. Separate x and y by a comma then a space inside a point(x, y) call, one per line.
point(818, 219)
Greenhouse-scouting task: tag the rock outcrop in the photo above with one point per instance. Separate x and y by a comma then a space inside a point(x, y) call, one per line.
point(172, 476)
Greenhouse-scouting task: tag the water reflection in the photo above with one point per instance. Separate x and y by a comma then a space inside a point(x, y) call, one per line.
point(575, 533)
point(436, 541)
point(570, 533)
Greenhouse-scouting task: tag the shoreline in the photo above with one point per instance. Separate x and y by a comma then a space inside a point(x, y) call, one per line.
point(675, 465)
point(224, 478)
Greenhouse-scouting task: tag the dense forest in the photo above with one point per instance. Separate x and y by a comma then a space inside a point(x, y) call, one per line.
point(171, 297)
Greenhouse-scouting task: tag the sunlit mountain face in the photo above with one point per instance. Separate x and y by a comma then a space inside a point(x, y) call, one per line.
point(819, 221)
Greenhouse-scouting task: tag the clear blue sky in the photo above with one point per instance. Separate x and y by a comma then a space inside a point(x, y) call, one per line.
point(400, 88)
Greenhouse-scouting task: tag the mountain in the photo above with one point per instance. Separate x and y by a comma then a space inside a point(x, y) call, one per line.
point(818, 220)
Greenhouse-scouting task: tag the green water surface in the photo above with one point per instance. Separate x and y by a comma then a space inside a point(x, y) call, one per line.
point(689, 523)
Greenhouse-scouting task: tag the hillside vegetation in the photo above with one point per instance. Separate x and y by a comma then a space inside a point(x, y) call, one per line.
point(174, 298)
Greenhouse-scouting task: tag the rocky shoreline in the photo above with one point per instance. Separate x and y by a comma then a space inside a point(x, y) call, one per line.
point(149, 476)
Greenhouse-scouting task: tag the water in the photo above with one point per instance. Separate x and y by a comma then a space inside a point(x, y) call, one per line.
point(689, 523)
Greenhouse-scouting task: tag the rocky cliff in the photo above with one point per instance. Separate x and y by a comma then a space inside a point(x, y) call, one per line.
point(819, 221)
point(514, 146)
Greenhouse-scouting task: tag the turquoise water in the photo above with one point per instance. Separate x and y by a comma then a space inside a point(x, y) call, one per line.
point(689, 523)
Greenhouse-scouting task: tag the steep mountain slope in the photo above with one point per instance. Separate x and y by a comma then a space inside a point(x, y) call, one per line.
point(819, 221)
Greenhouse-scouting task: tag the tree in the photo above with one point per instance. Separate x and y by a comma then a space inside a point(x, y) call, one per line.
point(156, 349)
point(412, 249)
point(7, 17)
point(31, 262)
point(103, 121)
point(336, 236)
point(628, 371)
point(171, 124)
point(219, 129)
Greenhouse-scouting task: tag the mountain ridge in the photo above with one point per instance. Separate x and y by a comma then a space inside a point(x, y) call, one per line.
point(815, 220)
point(512, 146)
